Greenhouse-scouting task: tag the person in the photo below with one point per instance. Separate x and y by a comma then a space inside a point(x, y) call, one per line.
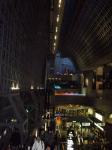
point(48, 147)
point(38, 144)
point(50, 139)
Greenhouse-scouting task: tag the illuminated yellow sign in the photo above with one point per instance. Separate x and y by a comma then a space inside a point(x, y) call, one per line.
point(58, 120)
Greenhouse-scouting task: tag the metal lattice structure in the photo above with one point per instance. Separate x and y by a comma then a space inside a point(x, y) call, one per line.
point(86, 32)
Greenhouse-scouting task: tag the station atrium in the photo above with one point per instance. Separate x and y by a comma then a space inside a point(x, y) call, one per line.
point(56, 74)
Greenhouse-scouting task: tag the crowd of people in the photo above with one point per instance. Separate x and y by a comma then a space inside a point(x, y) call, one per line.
point(44, 140)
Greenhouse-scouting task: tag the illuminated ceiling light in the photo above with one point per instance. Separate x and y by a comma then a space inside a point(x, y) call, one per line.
point(54, 44)
point(58, 18)
point(56, 29)
point(60, 1)
point(32, 87)
point(13, 87)
point(59, 5)
point(55, 37)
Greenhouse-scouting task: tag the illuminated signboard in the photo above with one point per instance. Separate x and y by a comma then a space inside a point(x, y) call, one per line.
point(99, 117)
point(86, 124)
point(68, 94)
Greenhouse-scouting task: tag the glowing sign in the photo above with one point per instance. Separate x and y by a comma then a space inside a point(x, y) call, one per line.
point(86, 124)
point(99, 117)
point(58, 120)
point(90, 111)
point(57, 87)
point(69, 94)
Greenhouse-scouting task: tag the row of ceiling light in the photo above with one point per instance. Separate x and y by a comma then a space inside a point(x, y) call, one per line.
point(15, 87)
point(57, 26)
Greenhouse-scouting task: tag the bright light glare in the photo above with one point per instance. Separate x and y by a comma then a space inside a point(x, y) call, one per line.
point(58, 18)
point(5, 131)
point(71, 134)
point(55, 37)
point(99, 117)
point(87, 82)
point(98, 126)
point(57, 87)
point(90, 111)
point(36, 133)
point(27, 110)
point(32, 87)
point(13, 87)
point(110, 116)
point(70, 145)
point(69, 94)
point(56, 29)
point(13, 120)
point(87, 124)
point(70, 142)
point(45, 126)
point(60, 1)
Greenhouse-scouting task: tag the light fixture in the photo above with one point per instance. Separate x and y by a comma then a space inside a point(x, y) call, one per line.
point(15, 87)
point(98, 126)
point(27, 110)
point(45, 126)
point(59, 5)
point(32, 87)
point(74, 121)
point(13, 120)
point(54, 44)
point(60, 2)
point(56, 29)
point(87, 81)
point(58, 18)
point(99, 117)
point(5, 131)
point(110, 116)
point(85, 124)
point(90, 111)
point(55, 37)
point(36, 133)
